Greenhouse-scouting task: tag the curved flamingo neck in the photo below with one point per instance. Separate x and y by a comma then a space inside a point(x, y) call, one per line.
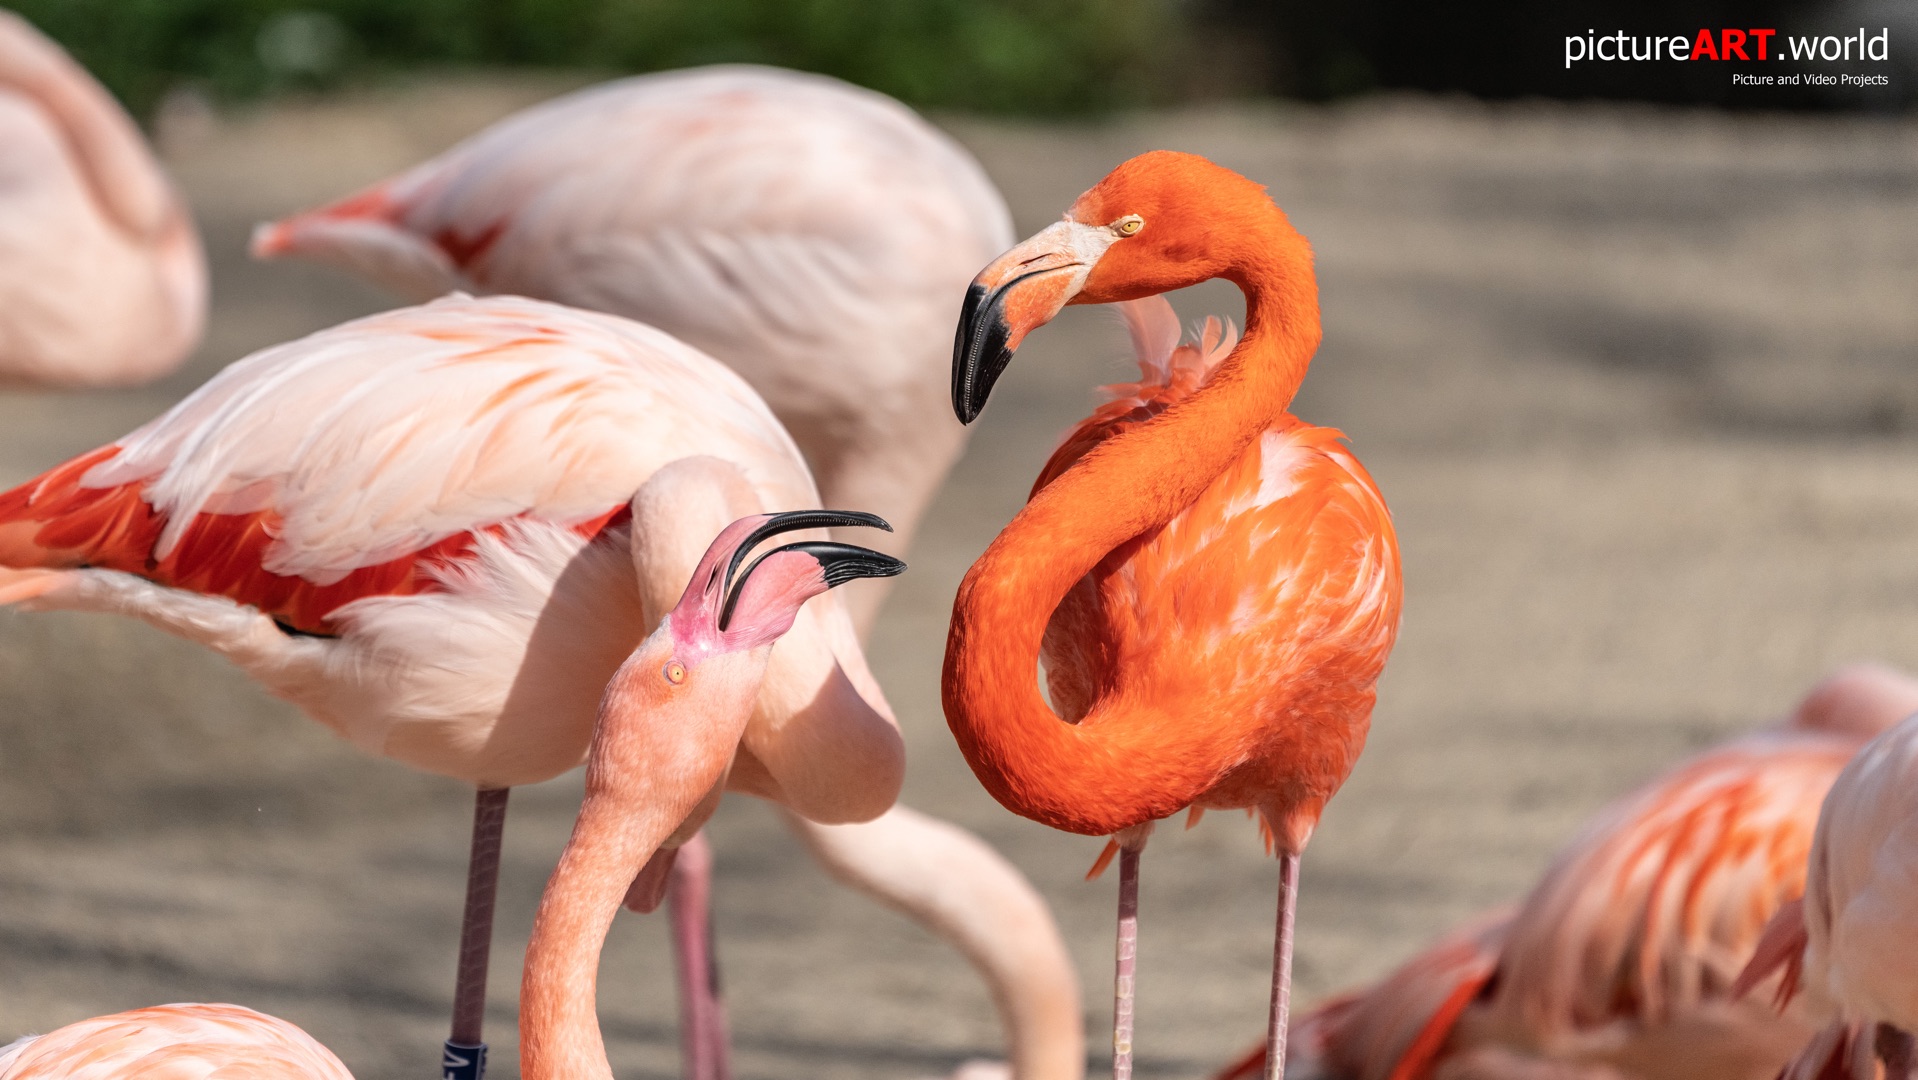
point(645, 774)
point(1126, 761)
point(559, 989)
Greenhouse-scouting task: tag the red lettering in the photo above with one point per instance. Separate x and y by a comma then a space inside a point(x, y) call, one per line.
point(1761, 37)
point(1733, 42)
point(1703, 49)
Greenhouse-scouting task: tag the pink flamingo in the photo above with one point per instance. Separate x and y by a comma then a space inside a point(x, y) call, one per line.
point(674, 715)
point(811, 235)
point(102, 281)
point(1844, 951)
point(441, 529)
point(1620, 962)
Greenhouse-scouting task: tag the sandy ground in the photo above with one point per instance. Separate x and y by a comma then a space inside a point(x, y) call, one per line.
point(1639, 386)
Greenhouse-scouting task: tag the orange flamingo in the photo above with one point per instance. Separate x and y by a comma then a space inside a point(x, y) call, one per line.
point(102, 281)
point(1843, 952)
point(1619, 964)
point(667, 731)
point(1214, 582)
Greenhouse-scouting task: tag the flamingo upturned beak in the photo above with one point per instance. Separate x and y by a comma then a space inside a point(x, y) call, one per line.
point(1021, 291)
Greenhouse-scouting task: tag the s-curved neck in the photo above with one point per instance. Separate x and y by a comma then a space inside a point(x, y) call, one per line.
point(1124, 762)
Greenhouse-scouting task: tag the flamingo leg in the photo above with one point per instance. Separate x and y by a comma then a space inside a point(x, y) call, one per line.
point(1281, 1016)
point(464, 1057)
point(702, 1012)
point(1126, 967)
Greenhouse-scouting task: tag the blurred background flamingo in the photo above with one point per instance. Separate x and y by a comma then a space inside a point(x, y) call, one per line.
point(1620, 963)
point(102, 282)
point(1843, 953)
point(173, 1040)
point(813, 236)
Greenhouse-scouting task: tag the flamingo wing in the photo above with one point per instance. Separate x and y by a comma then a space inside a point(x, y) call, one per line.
point(331, 468)
point(1655, 907)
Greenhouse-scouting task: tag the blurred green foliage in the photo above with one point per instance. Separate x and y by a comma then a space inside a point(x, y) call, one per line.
point(1031, 56)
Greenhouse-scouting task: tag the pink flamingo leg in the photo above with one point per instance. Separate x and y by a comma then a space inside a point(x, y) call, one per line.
point(465, 1053)
point(1126, 968)
point(702, 1014)
point(1281, 1017)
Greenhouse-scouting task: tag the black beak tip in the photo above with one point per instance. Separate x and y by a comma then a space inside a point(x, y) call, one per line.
point(979, 352)
point(840, 563)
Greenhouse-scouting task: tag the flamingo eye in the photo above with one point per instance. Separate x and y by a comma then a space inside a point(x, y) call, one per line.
point(1128, 225)
point(674, 671)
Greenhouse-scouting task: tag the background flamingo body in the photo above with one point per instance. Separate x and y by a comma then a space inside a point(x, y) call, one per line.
point(102, 280)
point(812, 235)
point(1621, 961)
point(173, 1042)
point(1845, 951)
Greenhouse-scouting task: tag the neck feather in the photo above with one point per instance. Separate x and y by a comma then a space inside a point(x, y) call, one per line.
point(1120, 765)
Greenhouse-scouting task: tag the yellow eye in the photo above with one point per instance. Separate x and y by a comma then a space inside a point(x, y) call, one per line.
point(674, 671)
point(1128, 225)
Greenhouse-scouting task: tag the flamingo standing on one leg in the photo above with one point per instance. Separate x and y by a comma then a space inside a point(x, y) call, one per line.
point(440, 530)
point(811, 235)
point(1846, 947)
point(1619, 964)
point(102, 281)
point(1214, 582)
point(673, 717)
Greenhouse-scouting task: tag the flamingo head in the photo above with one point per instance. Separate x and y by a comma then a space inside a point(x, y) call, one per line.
point(732, 605)
point(1159, 222)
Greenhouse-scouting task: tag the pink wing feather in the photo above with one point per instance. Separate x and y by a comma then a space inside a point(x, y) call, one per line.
point(332, 468)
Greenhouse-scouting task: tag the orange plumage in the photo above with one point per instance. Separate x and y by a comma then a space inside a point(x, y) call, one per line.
point(1213, 582)
point(1269, 603)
